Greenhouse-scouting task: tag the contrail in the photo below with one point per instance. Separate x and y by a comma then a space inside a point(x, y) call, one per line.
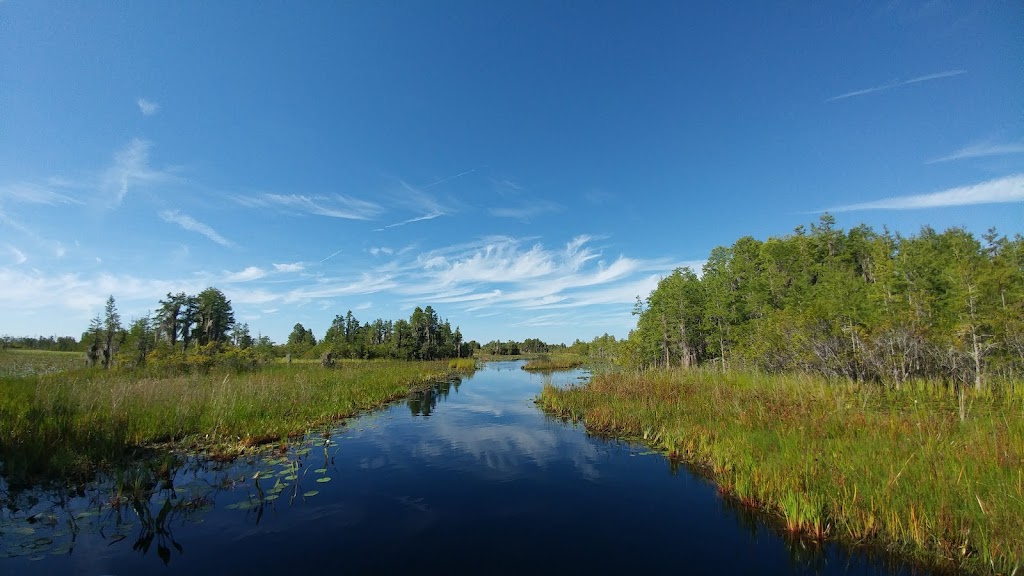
point(332, 256)
point(897, 84)
point(450, 178)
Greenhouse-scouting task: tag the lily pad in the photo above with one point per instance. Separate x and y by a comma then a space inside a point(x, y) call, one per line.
point(324, 479)
point(310, 494)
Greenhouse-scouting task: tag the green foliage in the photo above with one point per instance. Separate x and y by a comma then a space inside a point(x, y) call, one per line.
point(855, 304)
point(423, 336)
point(300, 341)
point(545, 363)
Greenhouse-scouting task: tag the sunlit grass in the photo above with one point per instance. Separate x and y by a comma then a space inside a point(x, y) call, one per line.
point(462, 365)
point(836, 459)
point(63, 425)
point(545, 363)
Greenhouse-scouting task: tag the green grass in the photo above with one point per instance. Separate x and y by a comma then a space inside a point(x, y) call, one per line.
point(866, 466)
point(462, 365)
point(15, 363)
point(547, 363)
point(64, 426)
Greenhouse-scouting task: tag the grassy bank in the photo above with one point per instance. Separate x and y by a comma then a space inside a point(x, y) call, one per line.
point(870, 467)
point(63, 426)
point(547, 363)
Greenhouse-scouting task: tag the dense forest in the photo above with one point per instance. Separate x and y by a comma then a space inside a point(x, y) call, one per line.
point(861, 304)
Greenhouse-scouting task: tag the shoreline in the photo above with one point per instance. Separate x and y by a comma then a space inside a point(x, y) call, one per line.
point(831, 462)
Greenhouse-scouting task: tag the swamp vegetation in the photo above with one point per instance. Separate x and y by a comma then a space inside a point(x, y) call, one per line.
point(545, 363)
point(835, 459)
point(856, 385)
point(63, 426)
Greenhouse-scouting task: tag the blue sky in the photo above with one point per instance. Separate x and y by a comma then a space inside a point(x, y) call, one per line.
point(527, 168)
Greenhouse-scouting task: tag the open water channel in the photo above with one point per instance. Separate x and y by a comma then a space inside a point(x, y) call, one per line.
point(468, 478)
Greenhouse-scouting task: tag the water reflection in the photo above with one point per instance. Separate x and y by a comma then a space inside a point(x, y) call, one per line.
point(474, 458)
point(423, 402)
point(141, 505)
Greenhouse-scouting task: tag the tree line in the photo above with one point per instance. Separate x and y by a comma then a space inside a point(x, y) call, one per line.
point(861, 304)
point(204, 324)
point(181, 323)
point(51, 343)
point(424, 336)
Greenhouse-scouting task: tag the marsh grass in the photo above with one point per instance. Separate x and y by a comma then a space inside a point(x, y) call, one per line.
point(462, 365)
point(867, 466)
point(63, 426)
point(15, 363)
point(545, 363)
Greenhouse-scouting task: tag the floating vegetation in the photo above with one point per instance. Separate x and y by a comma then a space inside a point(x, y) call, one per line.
point(140, 504)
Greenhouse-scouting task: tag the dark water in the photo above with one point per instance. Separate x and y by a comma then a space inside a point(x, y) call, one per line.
point(472, 478)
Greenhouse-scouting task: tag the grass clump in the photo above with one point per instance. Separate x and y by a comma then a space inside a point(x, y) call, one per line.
point(63, 426)
point(462, 365)
point(545, 363)
point(841, 460)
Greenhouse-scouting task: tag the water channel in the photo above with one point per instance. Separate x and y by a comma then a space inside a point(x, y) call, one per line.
point(468, 478)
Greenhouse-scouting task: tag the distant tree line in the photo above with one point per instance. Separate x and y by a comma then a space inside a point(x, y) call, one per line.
point(424, 336)
point(861, 304)
point(48, 343)
point(514, 348)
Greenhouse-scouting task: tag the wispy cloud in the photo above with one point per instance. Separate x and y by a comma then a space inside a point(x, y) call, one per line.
point(249, 274)
point(333, 206)
point(191, 224)
point(527, 209)
point(130, 168)
point(417, 200)
point(81, 296)
point(897, 84)
point(998, 191)
point(147, 107)
point(33, 193)
point(293, 267)
point(981, 150)
point(334, 287)
point(24, 231)
point(508, 273)
point(19, 256)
